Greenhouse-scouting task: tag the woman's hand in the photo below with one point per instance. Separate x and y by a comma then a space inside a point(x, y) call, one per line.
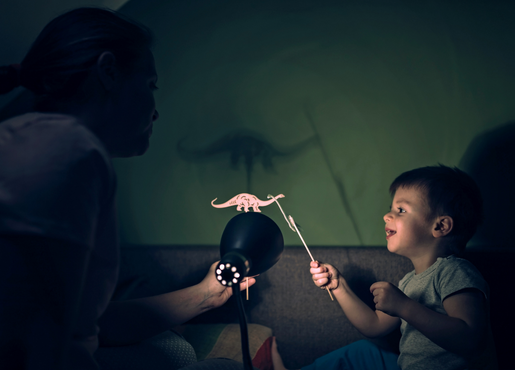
point(216, 294)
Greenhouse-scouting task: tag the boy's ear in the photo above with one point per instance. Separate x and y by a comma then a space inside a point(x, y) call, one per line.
point(107, 70)
point(443, 226)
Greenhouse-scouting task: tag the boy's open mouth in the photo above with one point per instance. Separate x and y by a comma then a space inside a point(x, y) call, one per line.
point(390, 232)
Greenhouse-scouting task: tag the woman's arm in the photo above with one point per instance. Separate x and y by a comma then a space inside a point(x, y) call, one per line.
point(131, 321)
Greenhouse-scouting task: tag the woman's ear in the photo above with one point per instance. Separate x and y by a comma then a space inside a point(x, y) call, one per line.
point(107, 70)
point(443, 226)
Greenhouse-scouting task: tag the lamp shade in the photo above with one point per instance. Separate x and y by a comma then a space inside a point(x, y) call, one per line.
point(251, 243)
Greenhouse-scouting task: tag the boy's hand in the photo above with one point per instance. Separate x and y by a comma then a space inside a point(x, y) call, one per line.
point(388, 298)
point(324, 275)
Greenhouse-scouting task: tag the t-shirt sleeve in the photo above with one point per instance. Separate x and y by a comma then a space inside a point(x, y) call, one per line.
point(55, 190)
point(458, 275)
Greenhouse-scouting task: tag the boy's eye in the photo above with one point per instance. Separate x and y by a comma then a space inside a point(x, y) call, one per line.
point(401, 210)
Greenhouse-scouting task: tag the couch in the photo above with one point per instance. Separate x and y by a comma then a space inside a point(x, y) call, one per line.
point(303, 318)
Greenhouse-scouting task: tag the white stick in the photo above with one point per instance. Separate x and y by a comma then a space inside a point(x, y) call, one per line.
point(305, 245)
point(281, 208)
point(300, 236)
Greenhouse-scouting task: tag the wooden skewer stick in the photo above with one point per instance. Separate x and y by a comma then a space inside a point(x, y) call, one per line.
point(247, 289)
point(292, 221)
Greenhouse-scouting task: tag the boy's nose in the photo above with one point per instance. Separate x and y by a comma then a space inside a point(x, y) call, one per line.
point(387, 217)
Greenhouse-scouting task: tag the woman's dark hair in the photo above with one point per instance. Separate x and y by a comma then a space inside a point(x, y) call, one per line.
point(449, 192)
point(61, 56)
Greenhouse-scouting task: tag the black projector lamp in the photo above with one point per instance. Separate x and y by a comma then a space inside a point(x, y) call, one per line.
point(251, 244)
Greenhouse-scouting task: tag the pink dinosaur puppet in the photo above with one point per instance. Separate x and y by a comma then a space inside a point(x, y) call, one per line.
point(246, 201)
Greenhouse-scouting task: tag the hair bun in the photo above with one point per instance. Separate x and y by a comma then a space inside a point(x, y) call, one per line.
point(9, 78)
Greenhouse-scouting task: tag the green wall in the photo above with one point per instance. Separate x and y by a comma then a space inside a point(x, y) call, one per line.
point(369, 88)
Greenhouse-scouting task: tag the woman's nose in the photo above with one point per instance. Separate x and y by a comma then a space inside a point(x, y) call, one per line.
point(155, 116)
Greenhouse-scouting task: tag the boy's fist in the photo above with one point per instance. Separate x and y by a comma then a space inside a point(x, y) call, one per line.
point(388, 298)
point(324, 275)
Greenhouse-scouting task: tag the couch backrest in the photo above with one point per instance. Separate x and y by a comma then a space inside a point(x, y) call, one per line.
point(305, 321)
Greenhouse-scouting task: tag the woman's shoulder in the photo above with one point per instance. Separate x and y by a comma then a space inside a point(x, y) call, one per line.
point(42, 125)
point(36, 143)
point(27, 119)
point(50, 134)
point(53, 152)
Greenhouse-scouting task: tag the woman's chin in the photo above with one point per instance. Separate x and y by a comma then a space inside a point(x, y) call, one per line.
point(136, 149)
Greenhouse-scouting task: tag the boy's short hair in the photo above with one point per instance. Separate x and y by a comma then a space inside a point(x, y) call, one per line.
point(450, 192)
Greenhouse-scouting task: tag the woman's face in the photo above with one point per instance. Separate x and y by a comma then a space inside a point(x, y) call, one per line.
point(134, 109)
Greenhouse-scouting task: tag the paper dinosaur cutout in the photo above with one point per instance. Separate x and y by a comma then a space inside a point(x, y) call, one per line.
point(246, 201)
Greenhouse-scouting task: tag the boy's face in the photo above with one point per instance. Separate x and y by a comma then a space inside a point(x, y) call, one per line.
point(408, 224)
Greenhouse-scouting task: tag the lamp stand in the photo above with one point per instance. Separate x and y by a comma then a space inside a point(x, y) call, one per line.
point(245, 352)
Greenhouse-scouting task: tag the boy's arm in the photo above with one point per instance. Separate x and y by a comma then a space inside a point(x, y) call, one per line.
point(460, 331)
point(369, 322)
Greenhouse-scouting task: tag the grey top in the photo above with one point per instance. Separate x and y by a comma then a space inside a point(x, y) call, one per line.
point(430, 288)
point(57, 181)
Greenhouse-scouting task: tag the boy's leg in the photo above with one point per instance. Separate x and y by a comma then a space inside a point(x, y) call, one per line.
point(360, 355)
point(216, 364)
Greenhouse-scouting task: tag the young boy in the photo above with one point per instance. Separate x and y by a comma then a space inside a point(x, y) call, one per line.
point(441, 306)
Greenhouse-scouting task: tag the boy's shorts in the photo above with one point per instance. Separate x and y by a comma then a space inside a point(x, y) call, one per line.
point(360, 355)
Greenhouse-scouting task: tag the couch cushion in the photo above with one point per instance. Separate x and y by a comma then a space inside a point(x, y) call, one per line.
point(224, 340)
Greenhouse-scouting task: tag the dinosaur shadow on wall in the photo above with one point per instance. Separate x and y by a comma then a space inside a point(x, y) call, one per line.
point(245, 146)
point(490, 161)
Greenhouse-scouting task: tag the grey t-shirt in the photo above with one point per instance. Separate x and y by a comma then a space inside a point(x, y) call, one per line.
point(430, 288)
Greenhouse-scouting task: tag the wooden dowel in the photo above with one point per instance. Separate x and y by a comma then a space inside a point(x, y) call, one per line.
point(305, 245)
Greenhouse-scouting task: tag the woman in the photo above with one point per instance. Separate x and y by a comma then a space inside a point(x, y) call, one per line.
point(92, 74)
